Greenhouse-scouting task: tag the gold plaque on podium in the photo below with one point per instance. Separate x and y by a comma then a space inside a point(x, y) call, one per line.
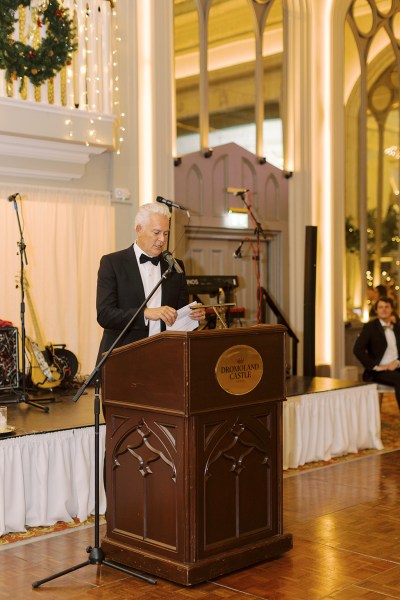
point(239, 369)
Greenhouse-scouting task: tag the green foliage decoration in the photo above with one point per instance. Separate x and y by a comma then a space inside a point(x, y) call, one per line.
point(390, 230)
point(53, 53)
point(352, 236)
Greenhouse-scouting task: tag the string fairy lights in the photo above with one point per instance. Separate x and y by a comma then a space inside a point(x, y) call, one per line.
point(89, 75)
point(119, 125)
point(87, 81)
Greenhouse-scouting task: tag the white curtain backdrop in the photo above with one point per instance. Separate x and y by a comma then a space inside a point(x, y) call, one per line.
point(66, 231)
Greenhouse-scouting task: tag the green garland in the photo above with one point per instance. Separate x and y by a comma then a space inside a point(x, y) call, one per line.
point(54, 52)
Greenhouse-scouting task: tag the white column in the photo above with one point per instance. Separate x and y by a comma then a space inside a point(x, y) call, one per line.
point(154, 27)
point(145, 163)
point(297, 102)
point(314, 142)
point(322, 201)
point(164, 118)
point(338, 141)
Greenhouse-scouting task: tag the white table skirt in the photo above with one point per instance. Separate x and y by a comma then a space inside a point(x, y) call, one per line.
point(49, 477)
point(323, 425)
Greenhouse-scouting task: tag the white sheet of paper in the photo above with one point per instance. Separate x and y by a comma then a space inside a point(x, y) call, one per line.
point(183, 321)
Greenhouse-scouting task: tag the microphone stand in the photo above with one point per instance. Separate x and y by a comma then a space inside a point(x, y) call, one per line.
point(23, 396)
point(258, 231)
point(96, 553)
point(170, 217)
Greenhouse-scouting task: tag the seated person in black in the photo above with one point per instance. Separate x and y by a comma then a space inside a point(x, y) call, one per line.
point(378, 347)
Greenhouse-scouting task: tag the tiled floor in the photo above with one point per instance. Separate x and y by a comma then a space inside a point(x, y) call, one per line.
point(345, 523)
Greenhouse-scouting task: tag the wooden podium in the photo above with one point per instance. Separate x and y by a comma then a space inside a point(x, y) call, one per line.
point(194, 452)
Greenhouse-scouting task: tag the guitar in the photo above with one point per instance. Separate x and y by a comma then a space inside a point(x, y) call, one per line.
point(45, 371)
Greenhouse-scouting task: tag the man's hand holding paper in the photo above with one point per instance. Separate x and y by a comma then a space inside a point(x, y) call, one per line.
point(188, 317)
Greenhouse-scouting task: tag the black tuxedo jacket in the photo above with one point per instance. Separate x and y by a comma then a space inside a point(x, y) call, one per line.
point(120, 293)
point(371, 344)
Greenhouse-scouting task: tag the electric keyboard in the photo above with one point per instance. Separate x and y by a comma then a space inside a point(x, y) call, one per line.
point(211, 284)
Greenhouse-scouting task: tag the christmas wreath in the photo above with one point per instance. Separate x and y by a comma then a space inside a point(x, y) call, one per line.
point(52, 54)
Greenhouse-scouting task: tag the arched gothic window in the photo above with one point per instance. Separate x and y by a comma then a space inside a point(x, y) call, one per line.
point(372, 65)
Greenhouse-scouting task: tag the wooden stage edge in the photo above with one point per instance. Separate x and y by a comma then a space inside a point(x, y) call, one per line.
point(64, 413)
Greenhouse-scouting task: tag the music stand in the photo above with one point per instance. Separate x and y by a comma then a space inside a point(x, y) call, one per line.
point(96, 553)
point(23, 396)
point(216, 312)
point(258, 232)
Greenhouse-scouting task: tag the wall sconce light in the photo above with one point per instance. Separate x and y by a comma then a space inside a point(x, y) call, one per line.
point(177, 161)
point(236, 218)
point(208, 153)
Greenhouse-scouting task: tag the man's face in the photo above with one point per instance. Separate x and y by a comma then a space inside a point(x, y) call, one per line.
point(383, 310)
point(152, 237)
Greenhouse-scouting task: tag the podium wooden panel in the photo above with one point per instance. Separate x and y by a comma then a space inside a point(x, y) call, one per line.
point(194, 473)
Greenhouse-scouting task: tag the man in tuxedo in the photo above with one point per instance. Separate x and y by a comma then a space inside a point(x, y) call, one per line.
point(126, 278)
point(378, 347)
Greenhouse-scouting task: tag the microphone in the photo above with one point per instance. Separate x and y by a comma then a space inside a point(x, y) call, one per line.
point(236, 191)
point(12, 197)
point(170, 203)
point(172, 262)
point(238, 251)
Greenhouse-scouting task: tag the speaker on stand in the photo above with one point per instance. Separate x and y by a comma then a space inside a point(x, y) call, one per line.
point(310, 273)
point(9, 367)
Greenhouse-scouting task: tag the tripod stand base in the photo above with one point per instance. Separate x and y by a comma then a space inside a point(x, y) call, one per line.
point(96, 553)
point(96, 557)
point(36, 405)
point(26, 399)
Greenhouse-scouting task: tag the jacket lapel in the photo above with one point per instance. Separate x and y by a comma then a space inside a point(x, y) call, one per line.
point(134, 274)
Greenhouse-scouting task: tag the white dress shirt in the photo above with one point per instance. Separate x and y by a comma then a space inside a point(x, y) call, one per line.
point(151, 275)
point(391, 352)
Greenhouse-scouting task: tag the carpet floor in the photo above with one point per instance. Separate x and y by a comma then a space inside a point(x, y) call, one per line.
point(33, 533)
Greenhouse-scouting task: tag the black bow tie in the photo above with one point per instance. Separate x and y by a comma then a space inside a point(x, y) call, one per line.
point(153, 259)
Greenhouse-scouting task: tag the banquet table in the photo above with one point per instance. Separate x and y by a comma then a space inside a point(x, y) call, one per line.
point(49, 477)
point(320, 426)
